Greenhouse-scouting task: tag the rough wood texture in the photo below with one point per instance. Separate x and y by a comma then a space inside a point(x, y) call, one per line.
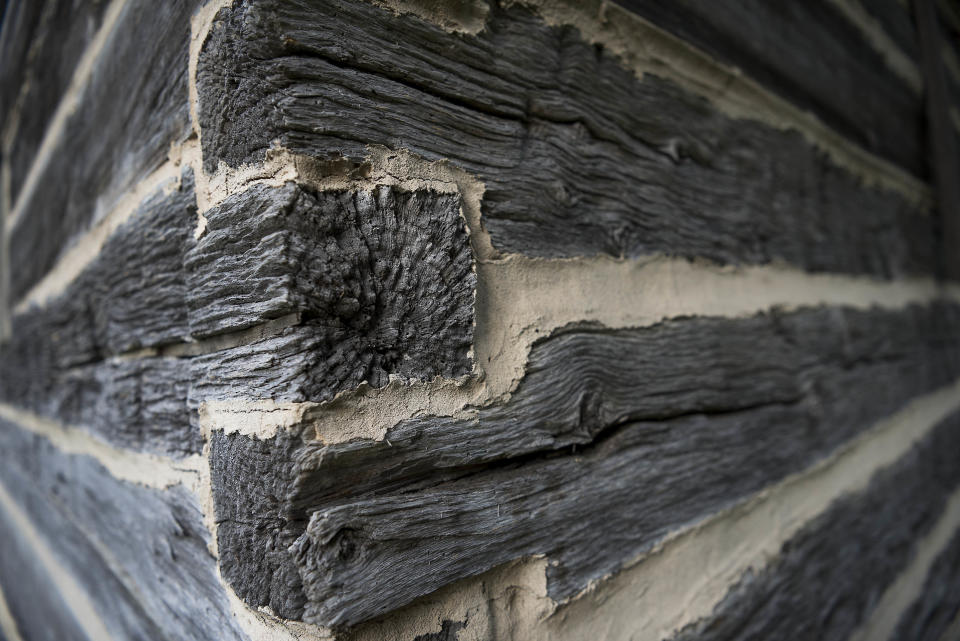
point(383, 279)
point(65, 30)
point(939, 603)
point(832, 573)
point(132, 295)
point(809, 53)
point(578, 156)
point(140, 553)
point(113, 142)
point(351, 530)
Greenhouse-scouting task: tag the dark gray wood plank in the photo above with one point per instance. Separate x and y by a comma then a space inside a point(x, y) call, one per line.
point(114, 139)
point(644, 430)
point(140, 553)
point(63, 35)
point(929, 617)
point(809, 53)
point(578, 156)
point(830, 576)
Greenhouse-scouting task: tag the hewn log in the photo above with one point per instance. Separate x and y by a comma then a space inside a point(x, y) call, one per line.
point(383, 278)
point(833, 572)
point(644, 430)
point(20, 22)
point(164, 586)
point(112, 144)
point(132, 295)
point(812, 55)
point(65, 31)
point(577, 154)
point(381, 283)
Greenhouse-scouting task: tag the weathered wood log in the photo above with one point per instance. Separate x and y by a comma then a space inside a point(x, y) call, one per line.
point(813, 56)
point(63, 34)
point(938, 604)
point(606, 427)
point(832, 573)
point(111, 144)
point(385, 276)
point(165, 586)
point(577, 154)
point(382, 282)
point(132, 295)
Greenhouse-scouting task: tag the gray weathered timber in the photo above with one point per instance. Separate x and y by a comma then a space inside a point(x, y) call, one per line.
point(20, 21)
point(810, 54)
point(578, 155)
point(31, 594)
point(139, 553)
point(830, 575)
point(383, 276)
point(112, 142)
point(644, 430)
point(381, 284)
point(938, 604)
point(58, 362)
point(65, 30)
point(139, 404)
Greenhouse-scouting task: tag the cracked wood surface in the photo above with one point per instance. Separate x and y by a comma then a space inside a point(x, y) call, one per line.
point(554, 127)
point(606, 427)
point(832, 573)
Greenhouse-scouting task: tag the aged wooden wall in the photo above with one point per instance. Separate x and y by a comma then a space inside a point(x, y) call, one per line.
point(479, 319)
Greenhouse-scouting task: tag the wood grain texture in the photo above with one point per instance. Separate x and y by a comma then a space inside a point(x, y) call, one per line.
point(382, 279)
point(67, 28)
point(938, 604)
point(833, 572)
point(31, 594)
point(643, 430)
point(578, 156)
point(132, 295)
point(140, 553)
point(116, 137)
